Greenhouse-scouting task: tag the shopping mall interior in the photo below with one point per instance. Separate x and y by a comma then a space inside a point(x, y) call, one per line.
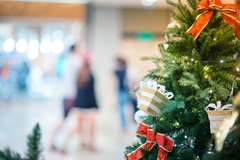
point(35, 41)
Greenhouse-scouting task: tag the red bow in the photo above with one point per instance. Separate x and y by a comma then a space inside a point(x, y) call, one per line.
point(229, 13)
point(165, 144)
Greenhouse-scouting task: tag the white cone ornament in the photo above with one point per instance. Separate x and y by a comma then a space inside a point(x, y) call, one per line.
point(172, 25)
point(139, 116)
point(165, 44)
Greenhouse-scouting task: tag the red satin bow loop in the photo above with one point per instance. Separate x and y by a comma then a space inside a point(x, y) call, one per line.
point(229, 13)
point(165, 144)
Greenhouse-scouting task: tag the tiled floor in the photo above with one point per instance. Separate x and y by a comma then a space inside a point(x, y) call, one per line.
point(19, 116)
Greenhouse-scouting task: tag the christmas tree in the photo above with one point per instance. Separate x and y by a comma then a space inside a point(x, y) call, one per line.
point(198, 65)
point(33, 150)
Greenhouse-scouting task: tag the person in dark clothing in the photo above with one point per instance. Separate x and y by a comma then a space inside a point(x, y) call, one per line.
point(73, 62)
point(23, 73)
point(85, 107)
point(123, 91)
point(85, 93)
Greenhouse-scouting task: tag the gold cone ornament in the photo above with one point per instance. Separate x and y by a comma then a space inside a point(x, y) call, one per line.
point(217, 113)
point(152, 97)
point(227, 125)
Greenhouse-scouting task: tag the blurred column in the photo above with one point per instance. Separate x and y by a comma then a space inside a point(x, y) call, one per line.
point(104, 34)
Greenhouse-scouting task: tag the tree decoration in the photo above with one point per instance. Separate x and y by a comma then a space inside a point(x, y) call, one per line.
point(152, 97)
point(229, 13)
point(227, 139)
point(217, 113)
point(165, 143)
point(139, 116)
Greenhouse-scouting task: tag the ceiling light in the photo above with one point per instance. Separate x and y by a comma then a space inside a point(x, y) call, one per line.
point(148, 3)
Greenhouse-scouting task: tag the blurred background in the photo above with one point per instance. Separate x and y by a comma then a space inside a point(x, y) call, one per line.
point(35, 37)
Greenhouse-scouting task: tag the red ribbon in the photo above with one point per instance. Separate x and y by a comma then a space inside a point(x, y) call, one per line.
point(229, 13)
point(165, 143)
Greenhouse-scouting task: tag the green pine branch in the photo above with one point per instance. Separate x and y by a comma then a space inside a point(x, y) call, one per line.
point(184, 15)
point(7, 154)
point(33, 145)
point(189, 79)
point(192, 4)
point(221, 92)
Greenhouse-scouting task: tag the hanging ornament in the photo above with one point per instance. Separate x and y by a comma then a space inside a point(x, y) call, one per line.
point(229, 12)
point(227, 125)
point(217, 113)
point(172, 25)
point(165, 144)
point(165, 43)
point(152, 97)
point(165, 46)
point(172, 36)
point(139, 116)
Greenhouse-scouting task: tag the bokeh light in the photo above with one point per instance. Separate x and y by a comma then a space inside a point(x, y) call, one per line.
point(57, 46)
point(33, 49)
point(21, 45)
point(46, 46)
point(9, 45)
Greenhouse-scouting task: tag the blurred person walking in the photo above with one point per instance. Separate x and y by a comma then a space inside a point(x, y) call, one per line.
point(22, 76)
point(73, 62)
point(85, 108)
point(122, 90)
